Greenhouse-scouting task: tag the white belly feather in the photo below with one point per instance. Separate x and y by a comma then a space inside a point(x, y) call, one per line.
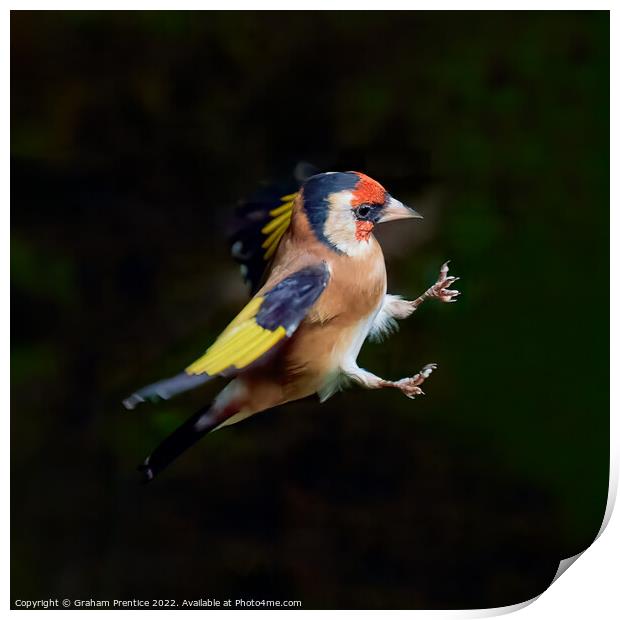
point(377, 325)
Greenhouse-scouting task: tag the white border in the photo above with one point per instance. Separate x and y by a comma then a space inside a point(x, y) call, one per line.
point(314, 5)
point(588, 587)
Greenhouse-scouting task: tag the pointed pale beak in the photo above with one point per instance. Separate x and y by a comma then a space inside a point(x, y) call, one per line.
point(396, 210)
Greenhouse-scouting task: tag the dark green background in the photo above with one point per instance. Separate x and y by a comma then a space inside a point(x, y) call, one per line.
point(133, 135)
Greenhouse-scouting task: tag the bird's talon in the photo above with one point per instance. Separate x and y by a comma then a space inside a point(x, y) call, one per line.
point(410, 386)
point(441, 289)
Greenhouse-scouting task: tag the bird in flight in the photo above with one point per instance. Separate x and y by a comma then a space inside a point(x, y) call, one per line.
point(320, 289)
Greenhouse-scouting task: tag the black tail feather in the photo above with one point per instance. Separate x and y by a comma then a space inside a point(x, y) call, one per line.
point(180, 440)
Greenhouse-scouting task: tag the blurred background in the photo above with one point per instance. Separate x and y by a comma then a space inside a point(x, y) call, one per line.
point(133, 135)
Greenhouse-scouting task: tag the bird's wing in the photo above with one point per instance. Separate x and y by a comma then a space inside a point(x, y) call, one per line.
point(269, 318)
point(261, 221)
point(261, 224)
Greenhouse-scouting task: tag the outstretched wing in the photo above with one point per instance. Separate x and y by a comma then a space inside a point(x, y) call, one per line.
point(260, 223)
point(268, 319)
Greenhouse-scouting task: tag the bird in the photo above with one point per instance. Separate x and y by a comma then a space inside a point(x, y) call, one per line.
point(321, 292)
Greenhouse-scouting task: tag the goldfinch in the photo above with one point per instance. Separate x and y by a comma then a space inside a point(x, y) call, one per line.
point(323, 291)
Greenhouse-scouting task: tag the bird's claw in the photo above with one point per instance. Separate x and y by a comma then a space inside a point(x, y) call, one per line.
point(408, 389)
point(410, 386)
point(441, 289)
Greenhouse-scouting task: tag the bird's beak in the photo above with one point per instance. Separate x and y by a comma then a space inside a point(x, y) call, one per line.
point(396, 210)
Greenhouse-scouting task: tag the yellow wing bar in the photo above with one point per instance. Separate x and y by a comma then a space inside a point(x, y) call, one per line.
point(240, 344)
point(278, 225)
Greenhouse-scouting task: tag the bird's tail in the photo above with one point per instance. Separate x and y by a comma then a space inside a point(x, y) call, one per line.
point(229, 403)
point(165, 389)
point(202, 422)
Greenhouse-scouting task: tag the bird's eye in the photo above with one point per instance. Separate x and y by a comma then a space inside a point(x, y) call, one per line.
point(363, 211)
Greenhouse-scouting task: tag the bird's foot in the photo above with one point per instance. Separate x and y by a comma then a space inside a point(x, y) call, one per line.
point(410, 386)
point(441, 289)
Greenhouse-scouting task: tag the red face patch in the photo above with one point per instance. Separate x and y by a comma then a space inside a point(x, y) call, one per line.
point(367, 191)
point(363, 230)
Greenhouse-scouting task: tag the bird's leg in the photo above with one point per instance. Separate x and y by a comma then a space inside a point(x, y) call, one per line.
point(401, 309)
point(409, 386)
point(440, 290)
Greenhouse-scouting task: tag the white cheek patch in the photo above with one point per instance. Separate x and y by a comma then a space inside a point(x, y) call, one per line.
point(340, 226)
point(340, 223)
